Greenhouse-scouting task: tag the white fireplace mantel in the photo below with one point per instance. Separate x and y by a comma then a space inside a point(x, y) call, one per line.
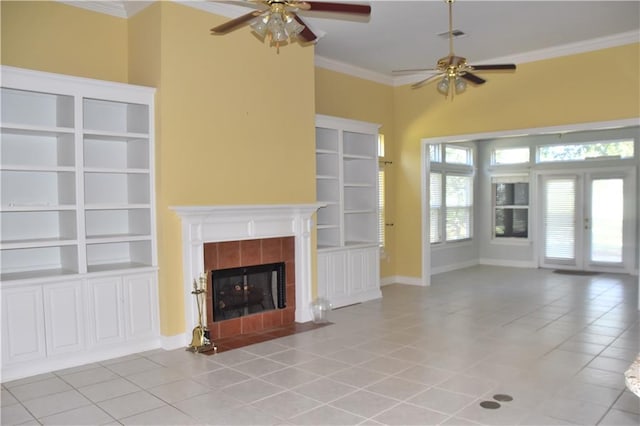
point(211, 224)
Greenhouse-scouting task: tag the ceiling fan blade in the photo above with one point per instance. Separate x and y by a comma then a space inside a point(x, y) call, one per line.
point(494, 67)
point(425, 81)
point(358, 9)
point(473, 78)
point(306, 34)
point(236, 23)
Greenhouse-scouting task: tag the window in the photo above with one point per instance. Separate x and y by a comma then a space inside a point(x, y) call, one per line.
point(455, 220)
point(455, 154)
point(435, 153)
point(511, 206)
point(435, 208)
point(458, 201)
point(585, 151)
point(452, 153)
point(451, 193)
point(381, 219)
point(381, 200)
point(503, 156)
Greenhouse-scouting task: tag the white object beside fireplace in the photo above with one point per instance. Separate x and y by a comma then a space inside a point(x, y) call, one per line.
point(212, 224)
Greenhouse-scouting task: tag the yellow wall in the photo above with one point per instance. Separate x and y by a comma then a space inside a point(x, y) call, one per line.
point(234, 119)
point(350, 97)
point(54, 37)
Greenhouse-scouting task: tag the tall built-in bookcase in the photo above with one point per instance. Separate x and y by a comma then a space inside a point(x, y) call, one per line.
point(347, 228)
point(77, 211)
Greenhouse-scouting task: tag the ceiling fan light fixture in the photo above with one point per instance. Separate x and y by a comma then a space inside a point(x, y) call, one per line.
point(260, 25)
point(443, 86)
point(278, 25)
point(292, 26)
point(461, 85)
point(276, 28)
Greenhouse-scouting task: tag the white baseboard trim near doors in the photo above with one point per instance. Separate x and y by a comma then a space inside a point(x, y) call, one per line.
point(399, 279)
point(508, 263)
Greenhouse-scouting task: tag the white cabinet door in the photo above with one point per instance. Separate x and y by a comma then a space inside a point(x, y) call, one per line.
point(63, 316)
point(358, 272)
point(22, 325)
point(349, 276)
point(364, 267)
point(332, 277)
point(140, 297)
point(104, 305)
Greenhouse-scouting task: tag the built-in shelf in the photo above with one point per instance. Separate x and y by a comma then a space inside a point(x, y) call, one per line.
point(76, 199)
point(347, 227)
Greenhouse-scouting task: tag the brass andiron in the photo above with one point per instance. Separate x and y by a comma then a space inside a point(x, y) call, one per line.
point(200, 336)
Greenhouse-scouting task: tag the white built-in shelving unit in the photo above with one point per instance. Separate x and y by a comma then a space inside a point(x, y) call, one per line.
point(347, 182)
point(77, 211)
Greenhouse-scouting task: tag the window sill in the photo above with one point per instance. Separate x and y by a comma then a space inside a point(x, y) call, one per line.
point(451, 244)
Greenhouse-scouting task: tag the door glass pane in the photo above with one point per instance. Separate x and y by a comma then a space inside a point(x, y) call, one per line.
point(559, 218)
point(606, 220)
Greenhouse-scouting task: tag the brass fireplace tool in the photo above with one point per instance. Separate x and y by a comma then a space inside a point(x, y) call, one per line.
point(200, 336)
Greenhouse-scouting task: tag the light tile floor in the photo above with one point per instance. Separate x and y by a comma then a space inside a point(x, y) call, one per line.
point(558, 344)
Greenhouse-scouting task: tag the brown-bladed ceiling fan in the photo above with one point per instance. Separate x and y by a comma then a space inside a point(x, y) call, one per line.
point(453, 69)
point(278, 21)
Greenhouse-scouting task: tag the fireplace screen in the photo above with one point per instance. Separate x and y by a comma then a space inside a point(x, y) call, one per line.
point(248, 290)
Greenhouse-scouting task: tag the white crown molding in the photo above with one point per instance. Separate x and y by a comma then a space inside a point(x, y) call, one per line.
point(352, 70)
point(222, 9)
point(119, 9)
point(126, 9)
point(107, 7)
point(570, 49)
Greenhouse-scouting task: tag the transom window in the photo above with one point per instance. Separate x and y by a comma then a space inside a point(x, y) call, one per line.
point(585, 151)
point(451, 154)
point(510, 156)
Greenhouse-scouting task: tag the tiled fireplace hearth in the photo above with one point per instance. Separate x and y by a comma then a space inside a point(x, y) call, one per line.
point(245, 233)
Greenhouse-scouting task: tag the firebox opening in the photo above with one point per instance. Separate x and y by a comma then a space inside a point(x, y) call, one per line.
point(248, 290)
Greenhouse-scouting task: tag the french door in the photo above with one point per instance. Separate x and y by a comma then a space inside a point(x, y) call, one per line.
point(587, 220)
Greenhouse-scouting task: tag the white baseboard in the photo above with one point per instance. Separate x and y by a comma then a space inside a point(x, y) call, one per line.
point(360, 297)
point(399, 279)
point(34, 367)
point(508, 263)
point(453, 267)
point(177, 341)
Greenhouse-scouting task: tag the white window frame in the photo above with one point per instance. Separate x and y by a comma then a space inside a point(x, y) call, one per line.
point(451, 169)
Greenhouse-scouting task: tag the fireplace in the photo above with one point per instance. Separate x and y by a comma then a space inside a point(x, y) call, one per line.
point(238, 292)
point(250, 273)
point(231, 226)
